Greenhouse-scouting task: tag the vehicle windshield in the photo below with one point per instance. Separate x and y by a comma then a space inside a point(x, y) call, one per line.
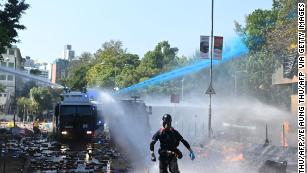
point(84, 110)
point(74, 110)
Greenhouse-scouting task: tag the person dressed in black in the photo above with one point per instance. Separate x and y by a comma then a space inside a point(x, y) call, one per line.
point(169, 140)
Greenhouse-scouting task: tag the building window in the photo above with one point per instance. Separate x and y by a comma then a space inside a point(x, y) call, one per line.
point(10, 77)
point(2, 77)
point(3, 64)
point(11, 65)
point(11, 51)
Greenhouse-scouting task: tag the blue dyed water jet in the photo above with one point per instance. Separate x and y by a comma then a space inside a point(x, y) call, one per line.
point(234, 49)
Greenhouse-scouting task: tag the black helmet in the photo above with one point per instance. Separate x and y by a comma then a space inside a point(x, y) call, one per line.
point(167, 119)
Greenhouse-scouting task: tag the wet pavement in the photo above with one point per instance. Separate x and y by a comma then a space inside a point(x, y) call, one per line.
point(44, 155)
point(50, 156)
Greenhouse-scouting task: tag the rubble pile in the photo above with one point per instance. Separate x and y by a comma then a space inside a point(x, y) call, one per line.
point(45, 155)
point(246, 156)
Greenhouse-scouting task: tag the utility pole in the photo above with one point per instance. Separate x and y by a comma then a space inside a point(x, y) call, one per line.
point(210, 90)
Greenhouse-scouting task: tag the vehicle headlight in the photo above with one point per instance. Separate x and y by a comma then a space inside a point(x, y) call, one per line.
point(64, 132)
point(88, 132)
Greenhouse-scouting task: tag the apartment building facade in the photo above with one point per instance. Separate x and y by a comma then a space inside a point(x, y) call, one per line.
point(11, 59)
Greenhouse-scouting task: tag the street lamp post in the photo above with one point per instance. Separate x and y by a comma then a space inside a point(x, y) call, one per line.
point(114, 67)
point(43, 101)
point(210, 90)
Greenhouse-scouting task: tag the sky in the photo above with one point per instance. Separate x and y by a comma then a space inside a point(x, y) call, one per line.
point(139, 24)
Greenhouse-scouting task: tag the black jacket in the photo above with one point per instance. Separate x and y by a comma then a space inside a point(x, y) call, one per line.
point(169, 139)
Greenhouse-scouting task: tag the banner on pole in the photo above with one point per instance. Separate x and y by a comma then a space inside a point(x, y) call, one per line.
point(204, 47)
point(218, 47)
point(175, 98)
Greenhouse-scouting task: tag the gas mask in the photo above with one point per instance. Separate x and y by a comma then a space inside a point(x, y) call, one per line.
point(167, 121)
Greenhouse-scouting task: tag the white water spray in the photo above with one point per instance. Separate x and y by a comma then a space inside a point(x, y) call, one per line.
point(128, 130)
point(28, 76)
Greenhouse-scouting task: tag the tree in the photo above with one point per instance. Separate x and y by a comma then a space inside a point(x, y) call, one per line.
point(4, 38)
point(258, 24)
point(42, 97)
point(78, 80)
point(286, 27)
point(9, 21)
point(24, 106)
point(127, 77)
point(160, 60)
point(111, 64)
point(77, 71)
point(268, 28)
point(264, 34)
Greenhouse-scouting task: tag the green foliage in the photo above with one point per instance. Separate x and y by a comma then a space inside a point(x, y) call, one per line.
point(78, 80)
point(10, 15)
point(26, 106)
point(286, 27)
point(161, 59)
point(112, 66)
point(42, 97)
point(23, 103)
point(103, 72)
point(77, 71)
point(258, 24)
point(260, 67)
point(270, 36)
point(34, 100)
point(267, 29)
point(4, 38)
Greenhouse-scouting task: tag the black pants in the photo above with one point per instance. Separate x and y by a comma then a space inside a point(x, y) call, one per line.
point(168, 162)
point(36, 131)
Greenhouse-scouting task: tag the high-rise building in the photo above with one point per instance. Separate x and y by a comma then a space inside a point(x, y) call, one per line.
point(68, 53)
point(59, 70)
